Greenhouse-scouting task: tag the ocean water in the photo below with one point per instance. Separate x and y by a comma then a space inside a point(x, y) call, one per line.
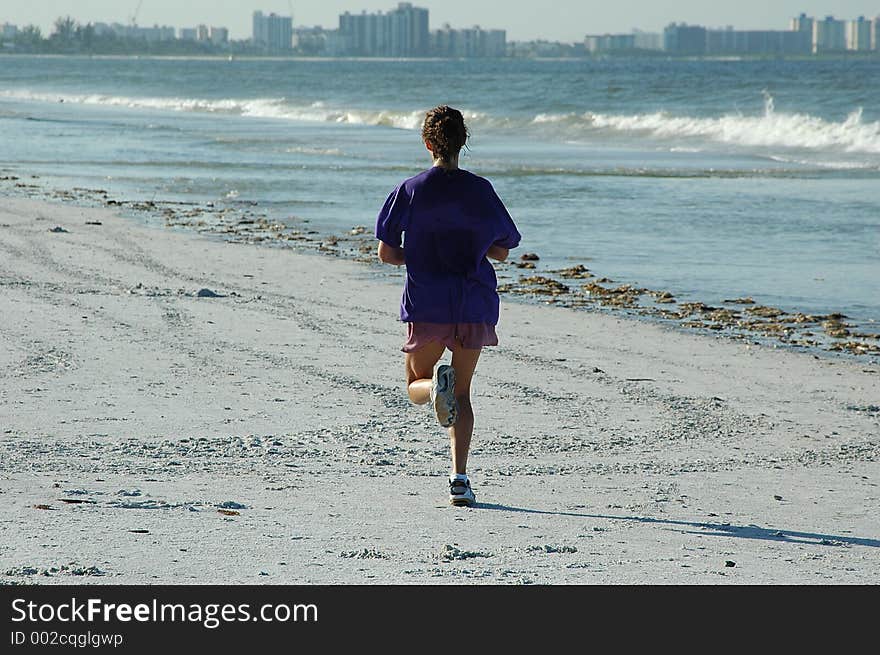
point(711, 179)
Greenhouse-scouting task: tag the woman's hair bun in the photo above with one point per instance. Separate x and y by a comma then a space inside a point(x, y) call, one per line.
point(444, 130)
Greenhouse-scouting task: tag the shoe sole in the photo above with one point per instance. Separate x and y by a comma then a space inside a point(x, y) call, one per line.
point(462, 502)
point(444, 401)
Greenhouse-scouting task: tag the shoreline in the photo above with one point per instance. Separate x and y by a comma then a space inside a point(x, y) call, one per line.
point(577, 287)
point(262, 435)
point(598, 58)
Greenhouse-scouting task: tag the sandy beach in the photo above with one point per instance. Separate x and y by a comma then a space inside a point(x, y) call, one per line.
point(261, 434)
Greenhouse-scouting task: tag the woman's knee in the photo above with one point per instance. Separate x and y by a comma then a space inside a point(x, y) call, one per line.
point(419, 393)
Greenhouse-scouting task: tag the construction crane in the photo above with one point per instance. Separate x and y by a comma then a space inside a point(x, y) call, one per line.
point(137, 10)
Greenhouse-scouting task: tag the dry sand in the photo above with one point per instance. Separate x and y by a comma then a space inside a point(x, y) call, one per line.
point(607, 450)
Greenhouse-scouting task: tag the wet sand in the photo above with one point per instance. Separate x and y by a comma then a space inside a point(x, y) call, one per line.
point(260, 433)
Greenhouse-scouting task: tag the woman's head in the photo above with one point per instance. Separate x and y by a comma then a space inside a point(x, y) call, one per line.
point(444, 132)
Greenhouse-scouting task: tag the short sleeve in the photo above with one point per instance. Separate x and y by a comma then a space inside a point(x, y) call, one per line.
point(393, 219)
point(506, 234)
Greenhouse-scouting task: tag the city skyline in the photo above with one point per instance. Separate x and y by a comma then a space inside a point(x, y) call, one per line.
point(570, 23)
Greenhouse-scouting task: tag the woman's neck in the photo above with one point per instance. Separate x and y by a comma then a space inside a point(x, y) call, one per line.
point(451, 165)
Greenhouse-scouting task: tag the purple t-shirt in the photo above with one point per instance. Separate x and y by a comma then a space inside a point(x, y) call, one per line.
point(451, 218)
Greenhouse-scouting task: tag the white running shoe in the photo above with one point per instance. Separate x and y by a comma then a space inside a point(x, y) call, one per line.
point(443, 395)
point(460, 493)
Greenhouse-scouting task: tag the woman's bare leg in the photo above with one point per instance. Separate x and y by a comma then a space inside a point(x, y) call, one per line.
point(464, 362)
point(420, 370)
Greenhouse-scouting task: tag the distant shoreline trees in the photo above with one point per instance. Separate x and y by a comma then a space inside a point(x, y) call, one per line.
point(70, 37)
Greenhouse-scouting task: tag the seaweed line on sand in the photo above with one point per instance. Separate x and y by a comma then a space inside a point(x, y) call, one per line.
point(575, 287)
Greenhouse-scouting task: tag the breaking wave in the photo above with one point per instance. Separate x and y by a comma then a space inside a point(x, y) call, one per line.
point(771, 129)
point(256, 107)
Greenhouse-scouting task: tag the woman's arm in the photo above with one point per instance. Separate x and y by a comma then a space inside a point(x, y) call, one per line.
point(498, 253)
point(391, 255)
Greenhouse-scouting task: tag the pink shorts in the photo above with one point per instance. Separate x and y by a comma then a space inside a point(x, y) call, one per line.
point(470, 336)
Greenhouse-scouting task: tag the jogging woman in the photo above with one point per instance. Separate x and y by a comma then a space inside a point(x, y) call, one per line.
point(453, 222)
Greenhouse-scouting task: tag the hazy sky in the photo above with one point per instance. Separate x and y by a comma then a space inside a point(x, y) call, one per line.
point(562, 20)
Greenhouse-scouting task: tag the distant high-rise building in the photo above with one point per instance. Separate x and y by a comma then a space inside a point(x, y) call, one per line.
point(260, 32)
point(858, 34)
point(8, 31)
point(647, 40)
point(408, 33)
point(758, 42)
point(803, 23)
point(444, 41)
point(219, 36)
point(374, 34)
point(402, 32)
point(829, 35)
point(875, 34)
point(202, 33)
point(683, 39)
point(495, 43)
point(148, 34)
point(597, 44)
point(358, 36)
point(272, 33)
point(188, 34)
point(467, 43)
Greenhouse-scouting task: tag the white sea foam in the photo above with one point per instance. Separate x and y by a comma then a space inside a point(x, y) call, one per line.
point(541, 119)
point(302, 150)
point(772, 129)
point(280, 108)
point(829, 164)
